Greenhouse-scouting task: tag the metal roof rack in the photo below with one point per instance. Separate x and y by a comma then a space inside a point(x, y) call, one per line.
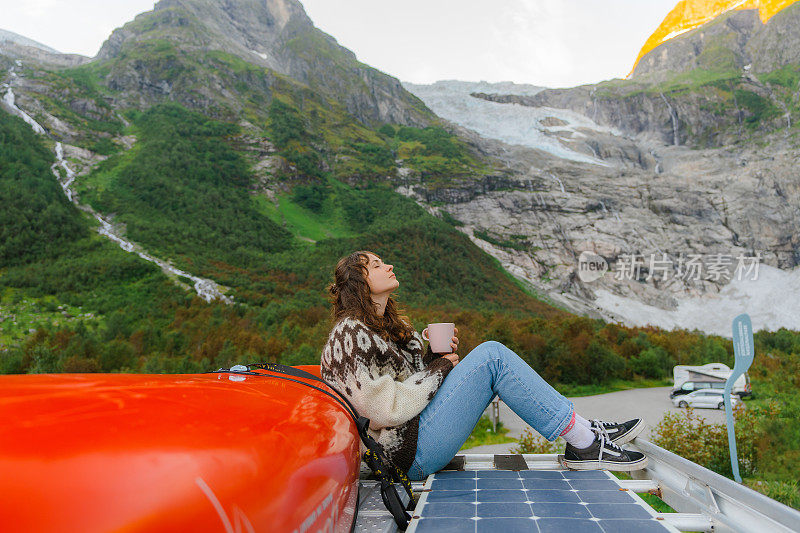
point(707, 501)
point(704, 500)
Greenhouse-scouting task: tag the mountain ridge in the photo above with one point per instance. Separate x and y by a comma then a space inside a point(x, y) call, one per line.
point(724, 39)
point(277, 35)
point(6, 35)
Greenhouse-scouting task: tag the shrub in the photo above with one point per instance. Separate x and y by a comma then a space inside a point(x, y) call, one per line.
point(116, 355)
point(688, 435)
point(45, 360)
point(786, 76)
point(603, 362)
point(709, 350)
point(532, 442)
point(305, 160)
point(80, 365)
point(305, 354)
point(12, 362)
point(759, 107)
point(786, 492)
point(388, 130)
point(312, 197)
point(376, 154)
point(436, 140)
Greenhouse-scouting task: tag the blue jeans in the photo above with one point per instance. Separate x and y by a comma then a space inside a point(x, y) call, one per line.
point(489, 370)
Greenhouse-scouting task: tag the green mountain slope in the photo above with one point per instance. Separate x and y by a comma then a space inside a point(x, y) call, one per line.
point(182, 192)
point(37, 220)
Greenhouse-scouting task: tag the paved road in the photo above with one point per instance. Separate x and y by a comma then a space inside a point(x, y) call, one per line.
point(649, 404)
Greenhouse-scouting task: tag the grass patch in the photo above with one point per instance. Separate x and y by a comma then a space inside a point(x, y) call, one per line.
point(92, 186)
point(515, 243)
point(572, 390)
point(787, 76)
point(303, 222)
point(20, 315)
point(651, 499)
point(483, 434)
point(786, 492)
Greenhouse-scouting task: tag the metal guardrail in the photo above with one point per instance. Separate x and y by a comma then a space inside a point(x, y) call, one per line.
point(707, 501)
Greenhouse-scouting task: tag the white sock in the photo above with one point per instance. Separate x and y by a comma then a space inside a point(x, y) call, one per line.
point(577, 434)
point(579, 419)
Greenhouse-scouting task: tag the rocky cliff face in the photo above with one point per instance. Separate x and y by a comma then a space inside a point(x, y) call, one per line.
point(725, 82)
point(41, 57)
point(665, 203)
point(729, 42)
point(701, 118)
point(274, 34)
point(709, 110)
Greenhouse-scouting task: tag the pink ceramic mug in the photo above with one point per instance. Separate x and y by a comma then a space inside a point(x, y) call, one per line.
point(441, 335)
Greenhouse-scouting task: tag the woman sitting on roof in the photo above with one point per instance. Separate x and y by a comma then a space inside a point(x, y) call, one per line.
point(422, 406)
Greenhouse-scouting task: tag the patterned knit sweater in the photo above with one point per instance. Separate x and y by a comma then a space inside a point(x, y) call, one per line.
point(388, 383)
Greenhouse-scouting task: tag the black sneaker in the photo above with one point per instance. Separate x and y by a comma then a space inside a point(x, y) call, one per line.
point(622, 432)
point(603, 455)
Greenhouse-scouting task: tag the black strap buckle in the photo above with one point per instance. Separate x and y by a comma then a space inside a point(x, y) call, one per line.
point(395, 506)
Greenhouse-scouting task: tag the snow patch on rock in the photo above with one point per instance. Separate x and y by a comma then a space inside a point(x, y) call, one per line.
point(768, 300)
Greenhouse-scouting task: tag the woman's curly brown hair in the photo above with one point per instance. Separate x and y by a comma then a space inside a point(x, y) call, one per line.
point(350, 297)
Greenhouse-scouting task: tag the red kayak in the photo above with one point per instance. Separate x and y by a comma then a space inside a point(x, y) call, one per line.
point(192, 452)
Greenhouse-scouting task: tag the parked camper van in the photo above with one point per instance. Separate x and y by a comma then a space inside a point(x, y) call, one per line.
point(711, 376)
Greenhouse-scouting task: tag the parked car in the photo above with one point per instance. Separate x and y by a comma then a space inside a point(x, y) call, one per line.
point(710, 398)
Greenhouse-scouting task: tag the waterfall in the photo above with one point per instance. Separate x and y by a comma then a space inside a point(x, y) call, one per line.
point(674, 116)
point(557, 180)
point(10, 100)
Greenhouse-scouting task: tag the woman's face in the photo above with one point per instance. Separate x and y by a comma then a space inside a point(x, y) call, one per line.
point(380, 276)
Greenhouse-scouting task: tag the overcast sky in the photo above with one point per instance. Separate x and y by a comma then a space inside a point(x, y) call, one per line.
point(555, 43)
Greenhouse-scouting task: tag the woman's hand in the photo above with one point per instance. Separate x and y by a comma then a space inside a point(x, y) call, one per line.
point(454, 346)
point(454, 342)
point(453, 357)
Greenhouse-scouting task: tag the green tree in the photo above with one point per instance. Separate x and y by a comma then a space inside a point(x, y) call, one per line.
point(653, 363)
point(285, 124)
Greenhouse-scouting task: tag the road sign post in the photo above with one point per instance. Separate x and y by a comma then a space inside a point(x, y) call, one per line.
point(743, 352)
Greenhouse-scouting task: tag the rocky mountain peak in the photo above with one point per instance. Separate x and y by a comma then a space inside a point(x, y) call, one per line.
point(723, 36)
point(275, 34)
point(251, 29)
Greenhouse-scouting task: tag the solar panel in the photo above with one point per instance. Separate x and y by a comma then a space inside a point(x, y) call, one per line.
point(541, 501)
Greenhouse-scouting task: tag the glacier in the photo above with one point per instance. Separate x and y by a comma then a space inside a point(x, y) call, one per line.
point(510, 123)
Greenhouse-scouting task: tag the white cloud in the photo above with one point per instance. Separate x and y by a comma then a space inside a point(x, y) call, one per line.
point(78, 26)
point(543, 42)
